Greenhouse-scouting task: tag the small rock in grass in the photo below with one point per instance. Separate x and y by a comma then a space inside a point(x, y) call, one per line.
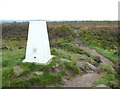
point(19, 60)
point(4, 47)
point(56, 65)
point(85, 56)
point(30, 75)
point(103, 86)
point(17, 71)
point(65, 60)
point(38, 73)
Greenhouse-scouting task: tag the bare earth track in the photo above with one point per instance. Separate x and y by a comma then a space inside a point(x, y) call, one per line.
point(87, 80)
point(83, 81)
point(94, 53)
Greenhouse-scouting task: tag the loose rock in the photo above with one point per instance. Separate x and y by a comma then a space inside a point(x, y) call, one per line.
point(91, 66)
point(38, 73)
point(17, 71)
point(103, 86)
point(30, 75)
point(4, 47)
point(65, 60)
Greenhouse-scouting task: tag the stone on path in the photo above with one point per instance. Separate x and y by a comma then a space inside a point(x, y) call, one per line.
point(91, 66)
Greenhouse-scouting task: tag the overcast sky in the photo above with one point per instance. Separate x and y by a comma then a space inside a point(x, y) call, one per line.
point(59, 9)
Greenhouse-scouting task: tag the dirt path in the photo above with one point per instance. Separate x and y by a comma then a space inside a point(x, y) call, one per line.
point(94, 53)
point(84, 47)
point(86, 80)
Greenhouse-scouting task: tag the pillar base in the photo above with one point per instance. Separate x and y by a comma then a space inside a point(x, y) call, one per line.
point(38, 61)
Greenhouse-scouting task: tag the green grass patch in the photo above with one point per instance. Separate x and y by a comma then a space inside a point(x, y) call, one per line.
point(16, 57)
point(46, 79)
point(11, 57)
point(67, 45)
point(14, 44)
point(72, 68)
point(60, 53)
point(108, 68)
point(109, 80)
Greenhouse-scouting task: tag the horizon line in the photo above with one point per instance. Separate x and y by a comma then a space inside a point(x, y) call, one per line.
point(5, 20)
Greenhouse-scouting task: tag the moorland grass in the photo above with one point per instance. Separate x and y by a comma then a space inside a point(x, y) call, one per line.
point(15, 57)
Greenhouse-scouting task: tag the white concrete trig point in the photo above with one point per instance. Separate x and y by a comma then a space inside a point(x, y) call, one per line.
point(38, 48)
